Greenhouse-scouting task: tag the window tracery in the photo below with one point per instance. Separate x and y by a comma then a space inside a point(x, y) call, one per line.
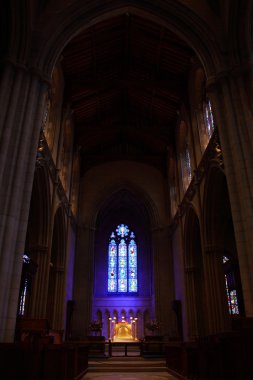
point(122, 261)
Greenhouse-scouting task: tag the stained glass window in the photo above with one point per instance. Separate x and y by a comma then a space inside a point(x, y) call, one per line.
point(208, 117)
point(186, 167)
point(231, 291)
point(122, 261)
point(132, 265)
point(24, 286)
point(112, 265)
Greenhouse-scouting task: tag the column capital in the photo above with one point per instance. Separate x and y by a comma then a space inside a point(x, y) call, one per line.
point(44, 78)
point(161, 229)
point(233, 72)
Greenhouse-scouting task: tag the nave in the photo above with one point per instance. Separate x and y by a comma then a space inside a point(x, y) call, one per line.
point(126, 170)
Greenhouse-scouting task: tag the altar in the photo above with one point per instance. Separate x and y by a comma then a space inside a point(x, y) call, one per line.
point(123, 331)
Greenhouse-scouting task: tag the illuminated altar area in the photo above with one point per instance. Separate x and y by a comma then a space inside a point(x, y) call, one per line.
point(122, 273)
point(123, 331)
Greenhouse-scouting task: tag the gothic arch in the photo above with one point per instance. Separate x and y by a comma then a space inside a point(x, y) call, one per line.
point(59, 239)
point(216, 206)
point(197, 80)
point(122, 207)
point(38, 221)
point(79, 15)
point(191, 231)
point(106, 195)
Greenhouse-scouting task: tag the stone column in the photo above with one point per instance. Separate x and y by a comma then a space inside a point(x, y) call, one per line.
point(163, 280)
point(231, 96)
point(217, 316)
point(22, 102)
point(83, 285)
point(58, 314)
point(192, 311)
point(40, 285)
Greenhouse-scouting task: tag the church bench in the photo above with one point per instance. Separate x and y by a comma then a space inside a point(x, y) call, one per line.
point(96, 345)
point(226, 356)
point(153, 345)
point(19, 361)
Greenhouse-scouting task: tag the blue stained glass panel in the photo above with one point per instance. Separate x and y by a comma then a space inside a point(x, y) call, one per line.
point(122, 230)
point(122, 261)
point(112, 267)
point(132, 266)
point(122, 286)
point(122, 267)
point(132, 285)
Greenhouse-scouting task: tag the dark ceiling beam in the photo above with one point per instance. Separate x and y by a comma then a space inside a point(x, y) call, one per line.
point(126, 54)
point(163, 117)
point(90, 161)
point(153, 92)
point(125, 68)
point(171, 85)
point(158, 53)
point(111, 142)
point(85, 134)
point(94, 60)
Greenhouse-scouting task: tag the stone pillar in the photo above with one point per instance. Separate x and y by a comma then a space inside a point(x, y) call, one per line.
point(58, 315)
point(40, 285)
point(217, 316)
point(22, 103)
point(83, 285)
point(192, 320)
point(163, 280)
point(231, 97)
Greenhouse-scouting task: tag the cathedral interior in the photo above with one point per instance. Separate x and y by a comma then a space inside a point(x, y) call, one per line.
point(126, 169)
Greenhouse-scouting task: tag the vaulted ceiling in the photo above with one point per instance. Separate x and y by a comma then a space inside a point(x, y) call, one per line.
point(125, 79)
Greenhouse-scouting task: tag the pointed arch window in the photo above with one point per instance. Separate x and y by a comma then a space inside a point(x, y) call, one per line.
point(230, 283)
point(186, 167)
point(122, 261)
point(28, 271)
point(205, 123)
point(208, 117)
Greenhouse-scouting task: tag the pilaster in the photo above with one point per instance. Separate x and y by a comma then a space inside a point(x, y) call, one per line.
point(217, 317)
point(22, 102)
point(84, 277)
point(163, 286)
point(40, 286)
point(192, 312)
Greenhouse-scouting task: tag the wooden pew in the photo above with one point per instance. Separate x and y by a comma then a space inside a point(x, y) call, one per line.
point(153, 345)
point(21, 361)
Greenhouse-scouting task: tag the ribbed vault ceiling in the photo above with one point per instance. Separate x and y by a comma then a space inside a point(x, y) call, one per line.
point(125, 79)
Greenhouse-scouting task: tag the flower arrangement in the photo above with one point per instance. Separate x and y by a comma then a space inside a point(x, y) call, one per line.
point(95, 326)
point(152, 325)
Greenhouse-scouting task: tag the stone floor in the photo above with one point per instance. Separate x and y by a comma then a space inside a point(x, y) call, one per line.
point(127, 368)
point(129, 376)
